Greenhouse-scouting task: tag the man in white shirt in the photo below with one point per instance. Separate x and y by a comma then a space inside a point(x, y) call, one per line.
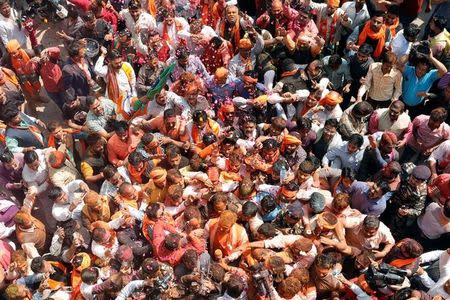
point(68, 201)
point(401, 43)
point(9, 30)
point(137, 20)
point(197, 37)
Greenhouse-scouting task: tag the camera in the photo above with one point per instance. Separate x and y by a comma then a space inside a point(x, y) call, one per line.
point(262, 279)
point(384, 275)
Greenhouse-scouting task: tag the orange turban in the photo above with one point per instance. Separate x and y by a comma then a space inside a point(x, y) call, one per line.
point(12, 45)
point(22, 218)
point(158, 175)
point(57, 159)
point(389, 138)
point(91, 199)
point(332, 98)
point(245, 44)
point(289, 140)
point(221, 73)
point(334, 3)
point(227, 219)
point(85, 261)
point(226, 107)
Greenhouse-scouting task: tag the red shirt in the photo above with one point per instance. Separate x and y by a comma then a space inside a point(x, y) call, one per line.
point(51, 73)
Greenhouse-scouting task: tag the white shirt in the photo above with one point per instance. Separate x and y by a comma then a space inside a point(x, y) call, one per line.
point(37, 179)
point(207, 32)
point(187, 109)
point(433, 222)
point(9, 30)
point(100, 250)
point(444, 270)
point(441, 155)
point(172, 30)
point(400, 46)
point(145, 22)
point(358, 18)
point(61, 212)
point(127, 85)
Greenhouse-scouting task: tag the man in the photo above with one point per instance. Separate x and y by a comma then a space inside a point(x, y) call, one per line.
point(232, 27)
point(329, 17)
point(245, 60)
point(373, 32)
point(370, 198)
point(102, 112)
point(225, 234)
point(327, 138)
point(156, 188)
point(167, 243)
point(439, 160)
point(371, 235)
point(54, 266)
point(359, 65)
point(427, 133)
point(96, 208)
point(31, 233)
point(94, 161)
point(137, 20)
point(383, 82)
point(16, 291)
point(337, 70)
point(148, 74)
point(348, 155)
point(68, 201)
point(170, 28)
point(435, 224)
point(122, 143)
point(292, 150)
point(172, 126)
point(378, 155)
point(402, 42)
point(418, 80)
point(119, 76)
point(407, 202)
point(185, 62)
point(9, 28)
point(323, 278)
point(216, 54)
point(354, 119)
point(97, 29)
point(78, 73)
point(279, 17)
point(395, 119)
point(22, 131)
point(62, 170)
point(197, 37)
point(74, 109)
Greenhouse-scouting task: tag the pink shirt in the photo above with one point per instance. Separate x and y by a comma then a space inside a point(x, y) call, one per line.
point(295, 29)
point(428, 137)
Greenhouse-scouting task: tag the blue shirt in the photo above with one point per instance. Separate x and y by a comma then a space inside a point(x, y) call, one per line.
point(360, 200)
point(412, 85)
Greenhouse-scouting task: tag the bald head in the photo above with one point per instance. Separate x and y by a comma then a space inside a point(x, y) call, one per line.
point(277, 8)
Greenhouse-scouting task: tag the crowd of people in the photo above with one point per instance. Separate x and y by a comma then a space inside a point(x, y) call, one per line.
point(202, 149)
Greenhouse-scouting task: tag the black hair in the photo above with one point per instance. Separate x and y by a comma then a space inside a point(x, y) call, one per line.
point(30, 156)
point(440, 22)
point(394, 9)
point(169, 113)
point(54, 193)
point(411, 31)
point(90, 100)
point(249, 209)
point(74, 48)
point(366, 49)
point(89, 275)
point(69, 94)
point(356, 139)
point(109, 171)
point(89, 16)
point(270, 144)
point(36, 264)
point(439, 114)
point(172, 241)
point(135, 158)
point(362, 109)
point(378, 13)
point(268, 203)
point(335, 59)
point(134, 4)
point(332, 122)
point(147, 138)
point(172, 151)
point(216, 42)
point(114, 54)
point(268, 230)
point(6, 156)
point(304, 123)
point(348, 173)
point(234, 286)
point(120, 126)
point(182, 53)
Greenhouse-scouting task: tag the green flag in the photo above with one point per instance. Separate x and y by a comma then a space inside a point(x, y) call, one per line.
point(157, 86)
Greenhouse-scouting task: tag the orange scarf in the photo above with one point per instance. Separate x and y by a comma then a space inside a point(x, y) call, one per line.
point(236, 34)
point(401, 262)
point(209, 127)
point(20, 66)
point(289, 73)
point(206, 19)
point(10, 76)
point(165, 34)
point(135, 174)
point(152, 7)
point(113, 85)
point(393, 27)
point(380, 36)
point(323, 27)
point(145, 224)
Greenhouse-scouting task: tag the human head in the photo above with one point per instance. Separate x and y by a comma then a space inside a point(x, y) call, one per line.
point(31, 159)
point(304, 15)
point(8, 161)
point(332, 6)
point(387, 143)
point(16, 291)
point(76, 50)
point(57, 195)
point(115, 59)
point(182, 55)
point(95, 106)
point(288, 192)
point(323, 265)
point(121, 130)
point(245, 48)
point(5, 8)
point(170, 119)
point(329, 129)
point(134, 8)
point(23, 219)
point(354, 143)
point(89, 20)
point(377, 190)
point(396, 109)
point(419, 175)
point(96, 143)
point(226, 220)
point(276, 9)
point(362, 110)
point(364, 52)
point(340, 202)
point(411, 32)
point(437, 117)
point(158, 175)
point(410, 248)
point(249, 210)
point(438, 24)
point(392, 14)
point(334, 61)
point(347, 177)
point(388, 61)
point(90, 275)
point(289, 287)
point(370, 226)
point(306, 170)
point(11, 115)
point(231, 14)
point(377, 21)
